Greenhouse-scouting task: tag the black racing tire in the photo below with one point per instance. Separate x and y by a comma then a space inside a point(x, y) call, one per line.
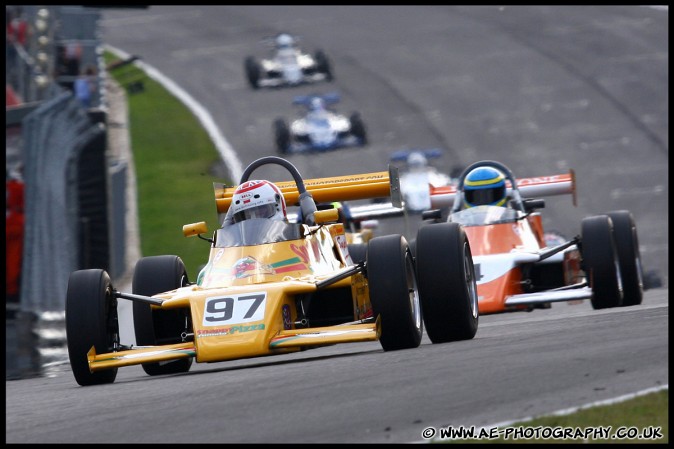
point(358, 128)
point(152, 275)
point(413, 248)
point(323, 65)
point(629, 256)
point(358, 252)
point(447, 283)
point(282, 136)
point(393, 292)
point(600, 261)
point(253, 70)
point(91, 320)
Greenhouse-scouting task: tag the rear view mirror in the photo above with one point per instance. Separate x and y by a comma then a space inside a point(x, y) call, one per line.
point(190, 230)
point(326, 216)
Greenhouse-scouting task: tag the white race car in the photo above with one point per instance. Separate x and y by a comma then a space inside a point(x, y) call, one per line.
point(287, 66)
point(416, 175)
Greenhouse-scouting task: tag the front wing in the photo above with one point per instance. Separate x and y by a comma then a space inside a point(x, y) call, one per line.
point(344, 142)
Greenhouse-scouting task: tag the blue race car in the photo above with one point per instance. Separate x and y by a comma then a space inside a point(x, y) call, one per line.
point(320, 128)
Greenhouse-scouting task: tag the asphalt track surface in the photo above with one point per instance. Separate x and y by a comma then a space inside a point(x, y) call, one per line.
point(541, 89)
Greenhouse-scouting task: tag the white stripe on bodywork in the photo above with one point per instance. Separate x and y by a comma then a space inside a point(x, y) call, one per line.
point(496, 265)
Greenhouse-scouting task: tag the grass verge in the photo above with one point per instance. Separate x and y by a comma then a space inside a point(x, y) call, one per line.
point(644, 419)
point(176, 164)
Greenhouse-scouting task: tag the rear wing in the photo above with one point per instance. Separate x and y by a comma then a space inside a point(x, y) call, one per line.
point(305, 100)
point(529, 188)
point(325, 190)
point(403, 155)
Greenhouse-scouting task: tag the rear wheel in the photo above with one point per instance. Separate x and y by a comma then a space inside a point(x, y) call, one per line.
point(252, 69)
point(158, 274)
point(629, 257)
point(600, 261)
point(358, 252)
point(282, 136)
point(323, 64)
point(447, 283)
point(91, 320)
point(393, 292)
point(358, 128)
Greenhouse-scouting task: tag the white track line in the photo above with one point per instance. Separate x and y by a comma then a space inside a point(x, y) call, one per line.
point(568, 411)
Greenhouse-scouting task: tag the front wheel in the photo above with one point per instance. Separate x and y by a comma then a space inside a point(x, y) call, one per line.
point(91, 320)
point(447, 283)
point(600, 261)
point(253, 70)
point(393, 292)
point(158, 274)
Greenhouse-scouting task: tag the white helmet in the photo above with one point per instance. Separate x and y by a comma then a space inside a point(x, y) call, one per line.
point(284, 40)
point(316, 104)
point(258, 199)
point(416, 160)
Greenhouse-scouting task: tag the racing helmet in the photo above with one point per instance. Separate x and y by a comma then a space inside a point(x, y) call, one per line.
point(258, 199)
point(284, 40)
point(416, 161)
point(316, 104)
point(484, 186)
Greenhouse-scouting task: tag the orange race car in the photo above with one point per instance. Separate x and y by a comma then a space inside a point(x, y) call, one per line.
point(520, 267)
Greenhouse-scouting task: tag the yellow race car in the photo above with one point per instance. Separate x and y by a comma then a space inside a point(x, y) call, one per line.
point(272, 287)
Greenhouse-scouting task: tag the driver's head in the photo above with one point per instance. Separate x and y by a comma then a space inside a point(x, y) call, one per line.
point(484, 186)
point(284, 40)
point(316, 104)
point(416, 161)
point(258, 199)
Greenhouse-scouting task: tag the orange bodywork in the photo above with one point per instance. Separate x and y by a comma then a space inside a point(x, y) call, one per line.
point(498, 274)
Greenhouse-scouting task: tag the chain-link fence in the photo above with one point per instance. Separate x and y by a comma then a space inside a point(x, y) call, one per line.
point(59, 150)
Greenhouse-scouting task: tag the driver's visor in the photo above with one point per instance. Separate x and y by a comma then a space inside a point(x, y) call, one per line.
point(264, 211)
point(494, 196)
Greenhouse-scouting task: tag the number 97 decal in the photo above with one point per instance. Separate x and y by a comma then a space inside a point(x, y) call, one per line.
point(234, 309)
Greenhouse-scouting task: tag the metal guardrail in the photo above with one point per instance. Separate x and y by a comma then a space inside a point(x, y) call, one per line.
point(62, 147)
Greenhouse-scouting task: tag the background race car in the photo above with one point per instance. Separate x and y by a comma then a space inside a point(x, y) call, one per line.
point(417, 174)
point(288, 65)
point(272, 286)
point(518, 265)
point(320, 128)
